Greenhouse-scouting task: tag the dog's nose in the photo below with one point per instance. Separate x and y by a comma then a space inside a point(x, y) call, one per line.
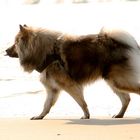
point(6, 52)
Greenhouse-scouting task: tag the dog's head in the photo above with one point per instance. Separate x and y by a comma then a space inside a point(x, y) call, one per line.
point(34, 47)
point(23, 48)
point(12, 51)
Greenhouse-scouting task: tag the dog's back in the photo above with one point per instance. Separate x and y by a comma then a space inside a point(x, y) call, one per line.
point(93, 56)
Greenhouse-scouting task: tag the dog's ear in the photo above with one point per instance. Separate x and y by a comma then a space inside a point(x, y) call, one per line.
point(22, 28)
point(25, 25)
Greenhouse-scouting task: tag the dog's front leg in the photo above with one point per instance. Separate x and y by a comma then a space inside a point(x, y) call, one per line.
point(52, 95)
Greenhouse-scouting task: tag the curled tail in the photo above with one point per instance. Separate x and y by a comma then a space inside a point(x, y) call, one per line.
point(120, 36)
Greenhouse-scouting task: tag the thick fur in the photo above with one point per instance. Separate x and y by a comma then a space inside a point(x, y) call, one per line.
point(69, 62)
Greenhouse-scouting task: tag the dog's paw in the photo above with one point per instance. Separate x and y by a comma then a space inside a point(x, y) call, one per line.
point(37, 118)
point(117, 116)
point(85, 117)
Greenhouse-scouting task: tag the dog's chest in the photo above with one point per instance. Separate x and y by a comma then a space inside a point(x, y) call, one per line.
point(48, 81)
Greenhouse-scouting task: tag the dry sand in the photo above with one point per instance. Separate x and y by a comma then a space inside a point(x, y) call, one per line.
point(70, 129)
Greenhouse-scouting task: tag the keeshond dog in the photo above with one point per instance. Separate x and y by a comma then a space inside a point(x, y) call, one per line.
point(67, 62)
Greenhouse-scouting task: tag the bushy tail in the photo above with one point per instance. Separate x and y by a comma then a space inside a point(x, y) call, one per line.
point(120, 36)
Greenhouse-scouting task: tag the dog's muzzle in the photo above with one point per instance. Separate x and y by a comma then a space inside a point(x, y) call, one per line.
point(11, 52)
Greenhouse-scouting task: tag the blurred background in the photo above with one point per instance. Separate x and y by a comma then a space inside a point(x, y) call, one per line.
point(57, 1)
point(21, 94)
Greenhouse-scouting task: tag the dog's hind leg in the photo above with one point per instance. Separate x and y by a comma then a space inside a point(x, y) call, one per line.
point(122, 87)
point(125, 99)
point(77, 93)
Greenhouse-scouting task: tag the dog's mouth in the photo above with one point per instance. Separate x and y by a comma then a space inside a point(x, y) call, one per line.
point(6, 54)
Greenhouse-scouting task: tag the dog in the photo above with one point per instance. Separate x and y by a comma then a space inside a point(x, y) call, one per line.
point(67, 62)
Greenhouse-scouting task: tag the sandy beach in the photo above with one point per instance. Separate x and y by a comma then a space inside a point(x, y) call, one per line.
point(72, 129)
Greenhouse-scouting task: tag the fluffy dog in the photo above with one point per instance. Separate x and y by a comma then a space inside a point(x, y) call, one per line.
point(69, 62)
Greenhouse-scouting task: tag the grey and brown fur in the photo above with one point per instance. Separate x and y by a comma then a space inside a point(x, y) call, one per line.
point(70, 62)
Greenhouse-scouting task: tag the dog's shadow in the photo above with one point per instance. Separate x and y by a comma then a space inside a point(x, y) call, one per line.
point(110, 121)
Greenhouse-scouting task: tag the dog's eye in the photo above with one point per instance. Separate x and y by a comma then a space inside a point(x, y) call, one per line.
point(16, 42)
point(22, 38)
